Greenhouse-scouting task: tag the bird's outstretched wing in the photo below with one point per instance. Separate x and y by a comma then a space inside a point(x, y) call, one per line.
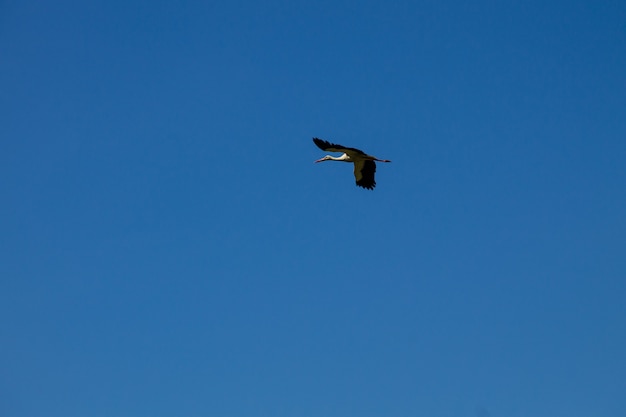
point(364, 171)
point(332, 147)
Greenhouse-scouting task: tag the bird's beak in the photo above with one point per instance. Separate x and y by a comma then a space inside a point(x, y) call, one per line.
point(319, 160)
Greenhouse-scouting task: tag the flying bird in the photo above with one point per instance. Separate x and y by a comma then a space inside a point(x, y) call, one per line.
point(364, 165)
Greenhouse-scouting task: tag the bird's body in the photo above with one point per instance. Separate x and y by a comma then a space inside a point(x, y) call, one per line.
point(364, 165)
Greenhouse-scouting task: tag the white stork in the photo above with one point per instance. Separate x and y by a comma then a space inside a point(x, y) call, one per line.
point(364, 165)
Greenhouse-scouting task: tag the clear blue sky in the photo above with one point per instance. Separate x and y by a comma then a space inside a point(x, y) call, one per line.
point(168, 248)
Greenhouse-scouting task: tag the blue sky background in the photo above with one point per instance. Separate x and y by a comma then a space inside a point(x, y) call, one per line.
point(168, 247)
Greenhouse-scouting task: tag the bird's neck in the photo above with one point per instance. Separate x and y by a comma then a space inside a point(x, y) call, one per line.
point(345, 157)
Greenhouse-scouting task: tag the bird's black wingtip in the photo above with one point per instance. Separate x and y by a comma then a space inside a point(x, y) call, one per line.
point(367, 186)
point(322, 144)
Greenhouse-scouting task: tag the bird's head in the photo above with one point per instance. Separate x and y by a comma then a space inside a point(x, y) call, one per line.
point(326, 158)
